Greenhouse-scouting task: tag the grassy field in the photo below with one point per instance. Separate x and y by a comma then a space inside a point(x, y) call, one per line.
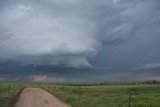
point(115, 95)
point(108, 95)
point(9, 94)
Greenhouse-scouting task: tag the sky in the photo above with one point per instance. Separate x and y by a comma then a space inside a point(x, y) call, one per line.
point(79, 41)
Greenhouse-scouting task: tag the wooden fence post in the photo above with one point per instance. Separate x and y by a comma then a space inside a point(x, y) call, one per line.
point(79, 91)
point(54, 88)
point(129, 99)
point(9, 88)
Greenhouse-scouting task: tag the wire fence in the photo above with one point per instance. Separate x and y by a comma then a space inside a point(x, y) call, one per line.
point(78, 96)
point(9, 94)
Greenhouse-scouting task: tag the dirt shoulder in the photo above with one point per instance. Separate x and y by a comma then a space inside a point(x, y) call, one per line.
point(36, 97)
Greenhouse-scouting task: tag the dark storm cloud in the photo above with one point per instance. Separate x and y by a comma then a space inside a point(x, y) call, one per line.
point(118, 34)
point(135, 40)
point(47, 28)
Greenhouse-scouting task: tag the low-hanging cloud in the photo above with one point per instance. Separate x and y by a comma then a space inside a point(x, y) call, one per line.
point(69, 32)
point(34, 31)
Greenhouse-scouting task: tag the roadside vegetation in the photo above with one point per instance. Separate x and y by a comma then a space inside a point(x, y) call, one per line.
point(9, 94)
point(90, 95)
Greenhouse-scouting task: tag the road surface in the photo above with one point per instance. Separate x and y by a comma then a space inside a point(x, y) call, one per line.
point(36, 97)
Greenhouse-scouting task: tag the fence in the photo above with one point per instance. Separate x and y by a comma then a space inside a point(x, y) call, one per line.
point(78, 96)
point(9, 94)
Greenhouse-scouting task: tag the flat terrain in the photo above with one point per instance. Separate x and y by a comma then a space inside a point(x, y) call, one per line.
point(114, 95)
point(36, 97)
point(79, 95)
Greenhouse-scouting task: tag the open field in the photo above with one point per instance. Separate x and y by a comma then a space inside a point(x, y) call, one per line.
point(114, 95)
point(108, 95)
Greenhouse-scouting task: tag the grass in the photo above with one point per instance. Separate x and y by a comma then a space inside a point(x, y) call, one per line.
point(9, 94)
point(108, 95)
point(116, 95)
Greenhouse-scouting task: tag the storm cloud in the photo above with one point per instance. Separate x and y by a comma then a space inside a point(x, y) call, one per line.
point(117, 34)
point(34, 30)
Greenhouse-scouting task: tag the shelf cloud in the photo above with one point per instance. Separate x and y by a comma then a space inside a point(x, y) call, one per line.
point(115, 34)
point(34, 30)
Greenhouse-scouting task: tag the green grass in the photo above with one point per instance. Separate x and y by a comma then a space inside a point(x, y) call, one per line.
point(115, 95)
point(9, 94)
point(108, 95)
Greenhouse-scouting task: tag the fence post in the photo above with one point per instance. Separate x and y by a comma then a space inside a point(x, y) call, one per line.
point(129, 99)
point(54, 87)
point(9, 88)
point(79, 91)
point(45, 85)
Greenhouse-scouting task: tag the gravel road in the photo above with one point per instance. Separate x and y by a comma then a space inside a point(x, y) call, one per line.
point(36, 97)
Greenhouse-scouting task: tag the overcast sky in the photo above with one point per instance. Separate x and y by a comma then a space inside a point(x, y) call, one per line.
point(119, 37)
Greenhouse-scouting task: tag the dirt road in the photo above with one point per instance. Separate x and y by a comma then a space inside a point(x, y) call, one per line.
point(36, 97)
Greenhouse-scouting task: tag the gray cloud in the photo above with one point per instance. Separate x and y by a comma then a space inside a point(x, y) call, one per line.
point(149, 66)
point(119, 34)
point(36, 30)
point(52, 28)
point(136, 42)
